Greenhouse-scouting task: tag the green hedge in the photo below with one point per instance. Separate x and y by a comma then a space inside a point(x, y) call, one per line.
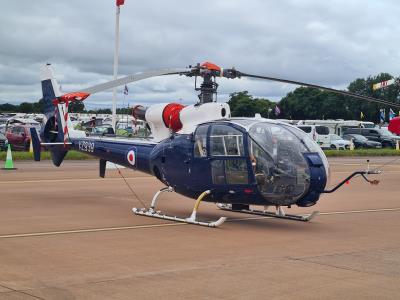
point(19, 155)
point(362, 152)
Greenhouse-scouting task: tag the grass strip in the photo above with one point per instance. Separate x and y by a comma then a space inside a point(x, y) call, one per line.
point(20, 155)
point(362, 152)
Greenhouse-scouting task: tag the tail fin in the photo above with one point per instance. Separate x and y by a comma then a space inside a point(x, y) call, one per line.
point(53, 130)
point(36, 144)
point(50, 90)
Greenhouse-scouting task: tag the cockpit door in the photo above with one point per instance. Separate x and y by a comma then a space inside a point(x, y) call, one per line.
point(200, 163)
point(229, 160)
point(177, 153)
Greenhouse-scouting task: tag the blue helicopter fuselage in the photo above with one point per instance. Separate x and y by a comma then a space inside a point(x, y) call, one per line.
point(241, 175)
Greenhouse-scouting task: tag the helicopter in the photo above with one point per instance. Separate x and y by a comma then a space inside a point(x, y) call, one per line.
point(199, 150)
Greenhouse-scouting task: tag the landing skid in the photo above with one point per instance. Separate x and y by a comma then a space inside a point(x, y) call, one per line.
point(278, 214)
point(153, 213)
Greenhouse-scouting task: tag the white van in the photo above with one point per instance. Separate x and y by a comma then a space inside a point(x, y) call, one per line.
point(318, 133)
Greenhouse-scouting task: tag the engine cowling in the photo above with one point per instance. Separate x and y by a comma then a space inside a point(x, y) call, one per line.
point(174, 117)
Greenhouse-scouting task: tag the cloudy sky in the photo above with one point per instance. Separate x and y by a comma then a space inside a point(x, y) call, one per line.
point(324, 42)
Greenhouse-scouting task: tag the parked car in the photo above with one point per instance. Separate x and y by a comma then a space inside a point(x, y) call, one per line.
point(361, 141)
point(3, 142)
point(3, 128)
point(375, 134)
point(318, 133)
point(19, 137)
point(103, 130)
point(387, 131)
point(337, 143)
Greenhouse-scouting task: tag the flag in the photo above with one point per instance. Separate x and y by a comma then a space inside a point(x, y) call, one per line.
point(361, 115)
point(120, 2)
point(383, 84)
point(277, 110)
point(391, 114)
point(126, 90)
point(382, 115)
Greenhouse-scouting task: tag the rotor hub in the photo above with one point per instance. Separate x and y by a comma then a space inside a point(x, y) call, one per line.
point(208, 88)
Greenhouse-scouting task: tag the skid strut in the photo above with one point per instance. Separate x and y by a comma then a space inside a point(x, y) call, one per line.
point(280, 213)
point(152, 212)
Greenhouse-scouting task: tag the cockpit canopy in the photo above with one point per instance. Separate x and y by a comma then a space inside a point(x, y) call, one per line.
point(265, 152)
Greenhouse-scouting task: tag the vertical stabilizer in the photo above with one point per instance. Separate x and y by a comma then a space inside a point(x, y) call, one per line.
point(53, 130)
point(50, 89)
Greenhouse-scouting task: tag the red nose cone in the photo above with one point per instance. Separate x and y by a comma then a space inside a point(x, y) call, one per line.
point(394, 125)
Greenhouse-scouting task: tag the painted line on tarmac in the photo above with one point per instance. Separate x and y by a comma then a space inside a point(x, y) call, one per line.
point(116, 178)
point(49, 233)
point(71, 180)
point(349, 172)
point(359, 211)
point(322, 214)
point(396, 165)
point(33, 234)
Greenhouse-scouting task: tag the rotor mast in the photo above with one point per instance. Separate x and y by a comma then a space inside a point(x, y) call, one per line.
point(207, 89)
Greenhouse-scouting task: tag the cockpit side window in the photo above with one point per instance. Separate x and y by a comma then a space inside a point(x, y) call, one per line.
point(226, 141)
point(200, 141)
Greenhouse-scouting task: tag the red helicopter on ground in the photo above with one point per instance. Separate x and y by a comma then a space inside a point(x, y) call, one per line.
point(199, 151)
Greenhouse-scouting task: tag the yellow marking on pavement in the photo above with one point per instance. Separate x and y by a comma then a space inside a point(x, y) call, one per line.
point(48, 233)
point(349, 172)
point(359, 211)
point(118, 179)
point(364, 164)
point(72, 180)
point(87, 230)
point(323, 214)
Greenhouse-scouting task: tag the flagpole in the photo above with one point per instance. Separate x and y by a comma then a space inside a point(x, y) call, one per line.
point(116, 56)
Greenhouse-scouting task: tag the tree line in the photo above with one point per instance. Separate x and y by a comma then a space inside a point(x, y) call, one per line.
point(310, 103)
point(36, 107)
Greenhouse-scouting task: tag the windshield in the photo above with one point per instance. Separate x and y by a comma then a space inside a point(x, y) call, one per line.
point(322, 130)
point(281, 171)
point(359, 137)
point(385, 131)
point(101, 129)
point(306, 129)
point(368, 125)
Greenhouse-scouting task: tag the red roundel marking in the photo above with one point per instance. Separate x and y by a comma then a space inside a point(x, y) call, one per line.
point(131, 156)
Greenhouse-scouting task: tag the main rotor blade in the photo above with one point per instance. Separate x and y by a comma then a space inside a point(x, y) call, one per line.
point(367, 98)
point(132, 78)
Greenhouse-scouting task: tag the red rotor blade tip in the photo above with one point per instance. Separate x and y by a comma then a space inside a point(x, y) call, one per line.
point(75, 96)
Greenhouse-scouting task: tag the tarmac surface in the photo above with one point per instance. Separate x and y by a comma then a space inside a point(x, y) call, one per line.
point(65, 233)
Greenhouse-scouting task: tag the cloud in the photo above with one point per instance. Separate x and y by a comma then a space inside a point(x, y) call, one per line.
point(328, 43)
